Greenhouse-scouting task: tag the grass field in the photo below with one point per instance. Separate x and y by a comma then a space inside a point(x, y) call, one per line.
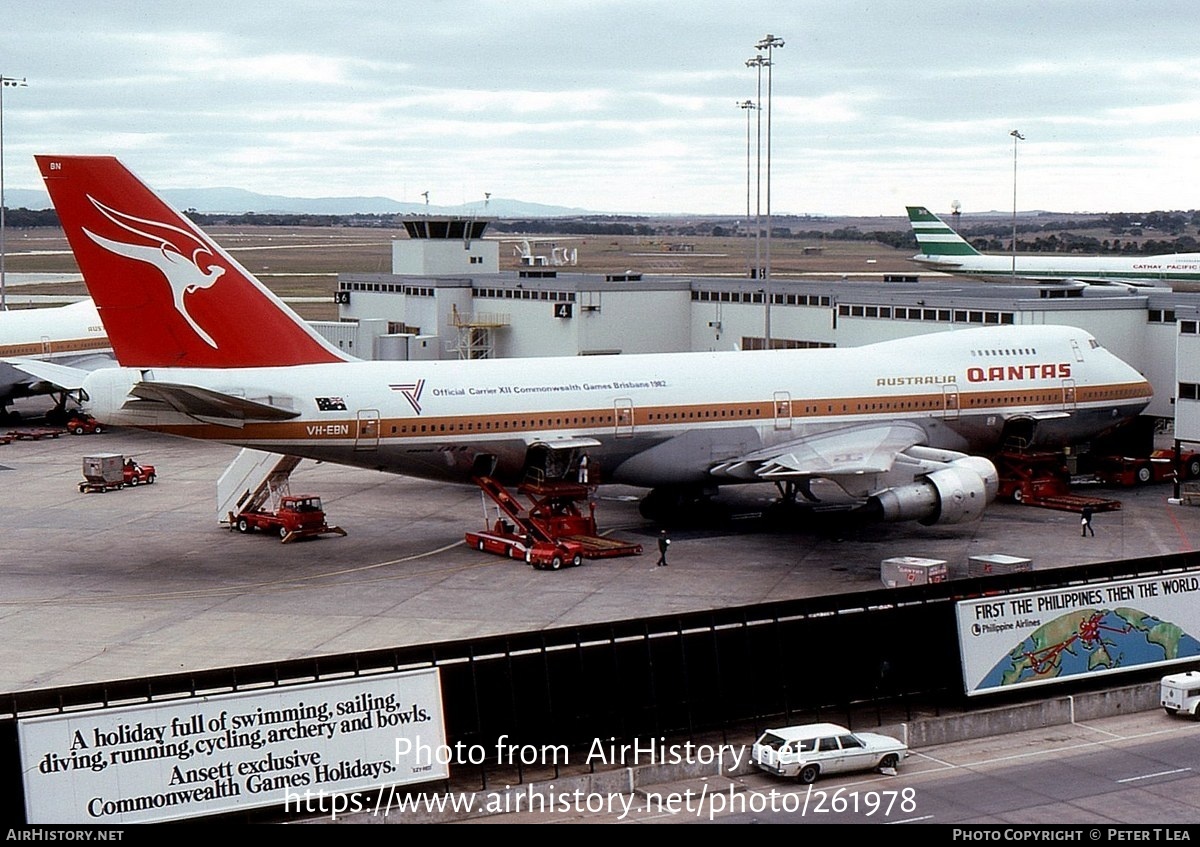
point(305, 262)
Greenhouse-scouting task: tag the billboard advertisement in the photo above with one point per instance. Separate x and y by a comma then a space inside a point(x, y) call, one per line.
point(1042, 637)
point(230, 752)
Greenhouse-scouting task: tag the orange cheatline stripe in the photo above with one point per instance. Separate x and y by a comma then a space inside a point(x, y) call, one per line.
point(581, 421)
point(39, 348)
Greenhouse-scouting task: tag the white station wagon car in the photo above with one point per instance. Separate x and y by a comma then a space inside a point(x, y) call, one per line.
point(808, 751)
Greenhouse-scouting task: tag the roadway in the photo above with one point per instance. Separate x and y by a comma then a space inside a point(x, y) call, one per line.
point(145, 581)
point(1131, 770)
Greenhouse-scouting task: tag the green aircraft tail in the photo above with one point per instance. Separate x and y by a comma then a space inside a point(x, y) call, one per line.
point(935, 237)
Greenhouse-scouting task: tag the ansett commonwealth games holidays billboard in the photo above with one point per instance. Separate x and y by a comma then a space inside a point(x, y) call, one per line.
point(205, 755)
point(1043, 637)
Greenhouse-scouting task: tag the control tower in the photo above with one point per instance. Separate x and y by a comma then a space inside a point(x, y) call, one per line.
point(445, 246)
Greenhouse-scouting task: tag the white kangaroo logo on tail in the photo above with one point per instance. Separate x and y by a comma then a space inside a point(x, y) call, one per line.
point(182, 272)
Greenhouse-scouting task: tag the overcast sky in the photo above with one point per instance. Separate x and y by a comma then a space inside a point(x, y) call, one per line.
point(622, 107)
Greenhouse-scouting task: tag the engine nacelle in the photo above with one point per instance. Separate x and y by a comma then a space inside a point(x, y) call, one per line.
point(956, 493)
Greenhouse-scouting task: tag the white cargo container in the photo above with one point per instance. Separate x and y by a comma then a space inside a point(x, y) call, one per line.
point(997, 563)
point(103, 472)
point(901, 571)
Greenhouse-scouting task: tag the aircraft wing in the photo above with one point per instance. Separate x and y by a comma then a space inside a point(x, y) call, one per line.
point(56, 377)
point(1074, 282)
point(1114, 281)
point(854, 451)
point(208, 405)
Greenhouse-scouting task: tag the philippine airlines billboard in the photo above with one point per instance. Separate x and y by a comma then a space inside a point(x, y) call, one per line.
point(1044, 637)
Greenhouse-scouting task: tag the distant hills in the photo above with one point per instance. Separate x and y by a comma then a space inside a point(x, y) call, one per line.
point(236, 201)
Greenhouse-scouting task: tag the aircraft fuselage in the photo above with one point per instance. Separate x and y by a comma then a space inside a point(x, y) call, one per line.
point(647, 420)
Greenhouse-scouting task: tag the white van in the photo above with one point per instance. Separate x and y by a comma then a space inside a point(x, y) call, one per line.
point(1179, 693)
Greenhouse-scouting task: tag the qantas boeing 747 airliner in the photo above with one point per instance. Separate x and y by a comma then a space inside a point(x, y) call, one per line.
point(900, 427)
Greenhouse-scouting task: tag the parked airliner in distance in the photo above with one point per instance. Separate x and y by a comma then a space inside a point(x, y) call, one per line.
point(892, 431)
point(943, 249)
point(70, 335)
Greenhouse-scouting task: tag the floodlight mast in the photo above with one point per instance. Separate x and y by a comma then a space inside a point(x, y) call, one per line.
point(747, 105)
point(757, 62)
point(1016, 136)
point(5, 82)
point(769, 44)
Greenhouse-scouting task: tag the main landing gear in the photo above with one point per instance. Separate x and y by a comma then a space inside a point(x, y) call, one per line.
point(682, 504)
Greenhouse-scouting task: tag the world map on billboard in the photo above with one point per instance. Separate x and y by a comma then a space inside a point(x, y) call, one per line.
point(1090, 640)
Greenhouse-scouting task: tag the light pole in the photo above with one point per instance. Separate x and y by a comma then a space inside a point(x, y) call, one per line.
point(1016, 136)
point(757, 62)
point(5, 82)
point(747, 105)
point(769, 44)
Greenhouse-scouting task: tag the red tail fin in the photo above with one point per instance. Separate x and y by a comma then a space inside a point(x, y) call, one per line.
point(167, 294)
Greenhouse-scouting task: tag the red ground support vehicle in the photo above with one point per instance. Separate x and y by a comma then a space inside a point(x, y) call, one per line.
point(553, 531)
point(298, 516)
point(1189, 461)
point(112, 471)
point(1128, 471)
point(505, 539)
point(137, 474)
point(1028, 477)
point(1159, 466)
point(83, 424)
point(36, 433)
point(1043, 479)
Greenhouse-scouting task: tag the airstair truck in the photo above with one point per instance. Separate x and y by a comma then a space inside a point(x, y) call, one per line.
point(295, 516)
point(253, 494)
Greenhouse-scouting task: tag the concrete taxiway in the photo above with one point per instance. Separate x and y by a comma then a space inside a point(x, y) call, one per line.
point(145, 581)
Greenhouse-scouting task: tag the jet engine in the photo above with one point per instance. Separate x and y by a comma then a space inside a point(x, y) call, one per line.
point(957, 492)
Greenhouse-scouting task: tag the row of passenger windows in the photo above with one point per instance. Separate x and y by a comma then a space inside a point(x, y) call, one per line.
point(1187, 391)
point(751, 412)
point(1019, 351)
point(952, 400)
point(576, 420)
point(503, 424)
point(949, 401)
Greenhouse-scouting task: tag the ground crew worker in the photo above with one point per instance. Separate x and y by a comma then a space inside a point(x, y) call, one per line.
point(663, 544)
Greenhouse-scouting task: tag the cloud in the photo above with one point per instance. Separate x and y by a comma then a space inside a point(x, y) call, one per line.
point(620, 106)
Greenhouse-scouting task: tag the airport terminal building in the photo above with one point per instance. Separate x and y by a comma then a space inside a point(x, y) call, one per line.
point(447, 298)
